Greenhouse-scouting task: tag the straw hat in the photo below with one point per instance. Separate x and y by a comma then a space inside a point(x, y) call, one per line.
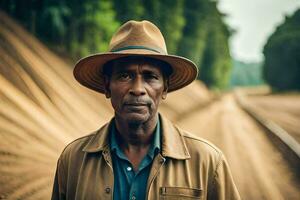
point(135, 39)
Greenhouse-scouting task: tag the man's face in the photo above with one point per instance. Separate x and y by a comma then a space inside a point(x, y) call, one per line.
point(136, 89)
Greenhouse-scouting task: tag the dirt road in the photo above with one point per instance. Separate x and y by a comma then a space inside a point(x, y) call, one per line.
point(283, 109)
point(259, 170)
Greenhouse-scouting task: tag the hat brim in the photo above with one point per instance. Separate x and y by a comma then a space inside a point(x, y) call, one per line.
point(88, 70)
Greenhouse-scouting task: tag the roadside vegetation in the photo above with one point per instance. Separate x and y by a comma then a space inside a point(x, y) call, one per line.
point(192, 28)
point(73, 28)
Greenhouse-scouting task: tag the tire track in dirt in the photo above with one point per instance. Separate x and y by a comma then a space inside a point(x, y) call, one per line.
point(283, 109)
point(258, 168)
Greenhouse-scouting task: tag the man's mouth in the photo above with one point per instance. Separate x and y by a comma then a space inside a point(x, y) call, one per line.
point(136, 104)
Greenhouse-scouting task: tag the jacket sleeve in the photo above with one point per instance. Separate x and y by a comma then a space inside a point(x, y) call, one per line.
point(59, 185)
point(223, 187)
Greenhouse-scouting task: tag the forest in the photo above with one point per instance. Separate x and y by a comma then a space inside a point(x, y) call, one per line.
point(76, 28)
point(282, 55)
point(192, 28)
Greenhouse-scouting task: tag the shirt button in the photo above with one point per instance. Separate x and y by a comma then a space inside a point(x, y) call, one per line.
point(129, 168)
point(107, 190)
point(133, 198)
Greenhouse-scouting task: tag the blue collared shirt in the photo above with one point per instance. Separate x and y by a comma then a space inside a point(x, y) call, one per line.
point(129, 184)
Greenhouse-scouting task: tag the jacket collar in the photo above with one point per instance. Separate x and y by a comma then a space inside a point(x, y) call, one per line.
point(100, 140)
point(173, 144)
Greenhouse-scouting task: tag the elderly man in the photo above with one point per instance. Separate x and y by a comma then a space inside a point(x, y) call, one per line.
point(139, 154)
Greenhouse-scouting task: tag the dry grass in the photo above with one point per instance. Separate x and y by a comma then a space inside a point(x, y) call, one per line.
point(42, 109)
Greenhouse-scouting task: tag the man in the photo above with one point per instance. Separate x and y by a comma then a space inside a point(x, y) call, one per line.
point(139, 154)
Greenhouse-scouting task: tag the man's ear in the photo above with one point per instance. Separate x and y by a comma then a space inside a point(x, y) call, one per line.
point(166, 87)
point(106, 86)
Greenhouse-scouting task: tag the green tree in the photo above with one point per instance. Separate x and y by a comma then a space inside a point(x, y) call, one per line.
point(192, 28)
point(95, 27)
point(192, 42)
point(73, 26)
point(128, 10)
point(216, 64)
point(168, 16)
point(246, 74)
point(281, 68)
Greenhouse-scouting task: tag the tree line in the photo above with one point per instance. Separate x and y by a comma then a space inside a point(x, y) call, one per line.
point(282, 55)
point(192, 28)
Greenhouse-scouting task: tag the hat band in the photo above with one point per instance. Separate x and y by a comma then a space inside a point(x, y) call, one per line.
point(135, 47)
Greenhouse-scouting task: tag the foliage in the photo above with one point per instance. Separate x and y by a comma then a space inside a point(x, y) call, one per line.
point(192, 28)
point(246, 74)
point(77, 27)
point(170, 21)
point(216, 62)
point(127, 11)
point(194, 31)
point(282, 55)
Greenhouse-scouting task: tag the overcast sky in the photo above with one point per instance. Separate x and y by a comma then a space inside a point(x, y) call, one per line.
point(254, 21)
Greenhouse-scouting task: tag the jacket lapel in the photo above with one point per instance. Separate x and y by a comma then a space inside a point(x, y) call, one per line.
point(173, 144)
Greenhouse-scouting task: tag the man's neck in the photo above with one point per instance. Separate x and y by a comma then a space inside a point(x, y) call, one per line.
point(135, 134)
point(135, 139)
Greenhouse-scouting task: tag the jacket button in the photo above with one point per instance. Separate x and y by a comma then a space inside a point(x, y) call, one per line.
point(107, 190)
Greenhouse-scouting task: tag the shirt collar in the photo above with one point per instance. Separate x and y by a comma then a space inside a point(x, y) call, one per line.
point(172, 140)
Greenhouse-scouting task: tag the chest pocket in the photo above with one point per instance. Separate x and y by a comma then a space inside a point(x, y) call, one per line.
point(172, 193)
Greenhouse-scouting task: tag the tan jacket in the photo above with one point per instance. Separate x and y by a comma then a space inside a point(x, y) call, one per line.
point(187, 168)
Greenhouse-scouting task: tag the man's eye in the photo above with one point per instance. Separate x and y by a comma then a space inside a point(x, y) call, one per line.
point(123, 76)
point(151, 76)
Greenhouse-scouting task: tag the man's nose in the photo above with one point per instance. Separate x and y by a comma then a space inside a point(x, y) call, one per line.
point(138, 87)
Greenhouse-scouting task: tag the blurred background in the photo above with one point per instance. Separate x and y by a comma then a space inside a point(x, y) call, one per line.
point(246, 99)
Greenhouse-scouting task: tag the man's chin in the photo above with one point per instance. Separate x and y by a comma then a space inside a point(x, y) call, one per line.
point(136, 118)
